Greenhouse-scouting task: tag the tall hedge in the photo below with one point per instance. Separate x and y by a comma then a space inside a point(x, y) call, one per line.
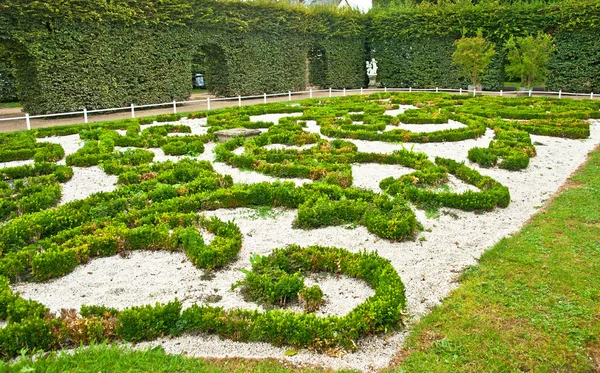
point(413, 44)
point(109, 54)
point(71, 55)
point(576, 66)
point(8, 89)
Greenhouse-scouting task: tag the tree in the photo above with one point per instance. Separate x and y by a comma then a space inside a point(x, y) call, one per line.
point(473, 55)
point(528, 57)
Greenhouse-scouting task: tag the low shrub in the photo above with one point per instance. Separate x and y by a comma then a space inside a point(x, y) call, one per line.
point(148, 322)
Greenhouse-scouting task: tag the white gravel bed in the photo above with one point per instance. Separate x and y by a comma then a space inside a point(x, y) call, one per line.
point(429, 266)
point(85, 182)
point(272, 117)
point(451, 125)
point(242, 176)
point(401, 109)
point(369, 175)
point(70, 143)
point(147, 277)
point(15, 163)
point(288, 147)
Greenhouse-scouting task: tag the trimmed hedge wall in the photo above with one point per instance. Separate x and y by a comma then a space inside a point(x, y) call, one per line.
point(8, 89)
point(413, 44)
point(69, 58)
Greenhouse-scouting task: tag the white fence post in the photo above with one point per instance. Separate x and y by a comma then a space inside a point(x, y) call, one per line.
point(437, 90)
point(530, 93)
point(385, 89)
point(474, 91)
point(310, 93)
point(500, 93)
point(460, 91)
point(27, 121)
point(85, 118)
point(591, 95)
point(239, 100)
point(174, 106)
point(409, 89)
point(289, 95)
point(344, 91)
point(560, 93)
point(208, 103)
point(132, 111)
point(265, 98)
point(361, 91)
point(329, 91)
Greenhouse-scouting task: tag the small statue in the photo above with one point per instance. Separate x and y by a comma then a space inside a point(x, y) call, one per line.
point(372, 67)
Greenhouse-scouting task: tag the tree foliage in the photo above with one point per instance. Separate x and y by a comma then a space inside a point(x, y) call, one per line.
point(473, 55)
point(528, 57)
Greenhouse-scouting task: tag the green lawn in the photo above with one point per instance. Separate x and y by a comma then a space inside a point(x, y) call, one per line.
point(10, 104)
point(532, 304)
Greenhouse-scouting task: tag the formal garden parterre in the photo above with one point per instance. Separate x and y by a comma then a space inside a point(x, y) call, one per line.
point(393, 211)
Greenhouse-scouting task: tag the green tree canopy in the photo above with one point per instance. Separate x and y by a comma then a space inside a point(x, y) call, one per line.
point(473, 55)
point(528, 57)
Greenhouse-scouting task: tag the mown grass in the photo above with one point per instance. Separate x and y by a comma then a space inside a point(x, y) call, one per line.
point(533, 301)
point(10, 104)
point(106, 359)
point(532, 304)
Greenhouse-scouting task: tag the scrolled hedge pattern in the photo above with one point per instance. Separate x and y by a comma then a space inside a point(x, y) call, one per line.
point(156, 206)
point(379, 313)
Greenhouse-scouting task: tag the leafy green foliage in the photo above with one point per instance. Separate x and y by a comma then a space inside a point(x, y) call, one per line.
point(528, 57)
point(148, 322)
point(280, 327)
point(473, 55)
point(142, 53)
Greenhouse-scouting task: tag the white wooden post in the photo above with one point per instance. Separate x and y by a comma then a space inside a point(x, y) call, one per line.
point(132, 111)
point(409, 89)
point(500, 93)
point(239, 100)
point(208, 103)
point(27, 121)
point(344, 91)
point(174, 106)
point(460, 91)
point(530, 93)
point(329, 91)
point(264, 98)
point(560, 93)
point(361, 91)
point(385, 89)
point(289, 95)
point(592, 96)
point(310, 93)
point(474, 91)
point(437, 90)
point(85, 118)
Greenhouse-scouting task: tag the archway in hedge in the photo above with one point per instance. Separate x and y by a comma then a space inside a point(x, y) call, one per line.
point(317, 66)
point(211, 60)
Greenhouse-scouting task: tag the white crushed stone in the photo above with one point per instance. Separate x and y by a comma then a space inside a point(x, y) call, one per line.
point(288, 147)
point(15, 163)
point(272, 117)
point(70, 143)
point(85, 182)
point(451, 125)
point(451, 241)
point(340, 294)
point(147, 277)
point(369, 175)
point(401, 109)
point(242, 176)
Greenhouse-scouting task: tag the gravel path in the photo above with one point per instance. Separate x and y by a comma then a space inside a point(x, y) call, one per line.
point(429, 266)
